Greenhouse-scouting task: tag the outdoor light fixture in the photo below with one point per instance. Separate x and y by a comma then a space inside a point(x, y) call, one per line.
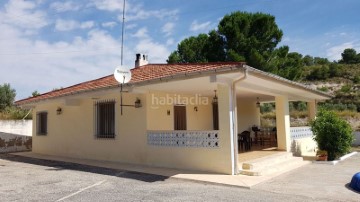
point(215, 98)
point(137, 103)
point(196, 108)
point(257, 102)
point(58, 110)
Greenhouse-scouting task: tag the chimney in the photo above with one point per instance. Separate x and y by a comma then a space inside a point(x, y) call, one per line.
point(141, 60)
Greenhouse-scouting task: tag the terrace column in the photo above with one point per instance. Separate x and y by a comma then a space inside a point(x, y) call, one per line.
point(226, 129)
point(283, 123)
point(312, 109)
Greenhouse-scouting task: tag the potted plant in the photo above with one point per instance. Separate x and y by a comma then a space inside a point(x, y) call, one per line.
point(321, 155)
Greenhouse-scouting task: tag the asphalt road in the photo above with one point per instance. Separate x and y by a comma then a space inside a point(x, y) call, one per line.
point(26, 179)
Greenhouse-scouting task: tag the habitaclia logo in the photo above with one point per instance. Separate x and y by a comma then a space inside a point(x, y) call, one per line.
point(176, 99)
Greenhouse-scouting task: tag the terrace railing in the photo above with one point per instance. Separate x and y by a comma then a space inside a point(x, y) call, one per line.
point(184, 138)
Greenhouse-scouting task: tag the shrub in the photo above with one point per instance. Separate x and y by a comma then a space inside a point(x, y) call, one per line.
point(346, 88)
point(356, 79)
point(14, 113)
point(266, 107)
point(332, 134)
point(323, 88)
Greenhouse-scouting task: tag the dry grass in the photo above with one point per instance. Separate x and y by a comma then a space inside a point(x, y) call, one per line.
point(348, 113)
point(357, 149)
point(300, 118)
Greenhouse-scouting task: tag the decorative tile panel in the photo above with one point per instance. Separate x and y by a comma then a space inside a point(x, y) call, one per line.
point(300, 132)
point(207, 139)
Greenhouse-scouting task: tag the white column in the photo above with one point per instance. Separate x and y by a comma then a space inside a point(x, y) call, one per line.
point(312, 109)
point(226, 127)
point(283, 123)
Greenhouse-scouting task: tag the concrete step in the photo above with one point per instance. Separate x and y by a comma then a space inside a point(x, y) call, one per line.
point(265, 161)
point(271, 165)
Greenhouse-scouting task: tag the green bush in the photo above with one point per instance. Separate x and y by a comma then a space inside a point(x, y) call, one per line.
point(346, 88)
point(324, 89)
point(332, 134)
point(266, 107)
point(14, 113)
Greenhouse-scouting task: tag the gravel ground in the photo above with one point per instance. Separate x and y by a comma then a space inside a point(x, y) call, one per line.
point(27, 179)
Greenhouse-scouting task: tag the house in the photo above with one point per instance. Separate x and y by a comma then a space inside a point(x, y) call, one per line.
point(184, 116)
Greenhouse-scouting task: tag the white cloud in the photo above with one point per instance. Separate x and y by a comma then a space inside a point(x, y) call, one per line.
point(42, 65)
point(170, 42)
point(196, 27)
point(109, 5)
point(110, 24)
point(68, 25)
point(142, 14)
point(34, 62)
point(343, 34)
point(60, 6)
point(334, 53)
point(157, 52)
point(130, 26)
point(168, 28)
point(87, 25)
point(23, 14)
point(65, 25)
point(141, 33)
point(286, 39)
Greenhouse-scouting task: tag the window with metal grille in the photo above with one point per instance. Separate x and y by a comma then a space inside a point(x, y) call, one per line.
point(41, 123)
point(105, 119)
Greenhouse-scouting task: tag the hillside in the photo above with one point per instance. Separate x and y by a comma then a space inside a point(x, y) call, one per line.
point(340, 80)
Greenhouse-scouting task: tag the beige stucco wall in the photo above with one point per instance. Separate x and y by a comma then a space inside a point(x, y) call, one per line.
point(304, 147)
point(71, 134)
point(159, 103)
point(248, 114)
point(206, 159)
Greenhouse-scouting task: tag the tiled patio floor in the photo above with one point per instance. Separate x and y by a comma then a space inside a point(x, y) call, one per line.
point(256, 152)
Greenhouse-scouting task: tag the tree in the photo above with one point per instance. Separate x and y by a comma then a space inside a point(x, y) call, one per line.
point(250, 35)
point(35, 93)
point(240, 36)
point(7, 96)
point(321, 61)
point(349, 56)
point(202, 48)
point(308, 60)
point(332, 134)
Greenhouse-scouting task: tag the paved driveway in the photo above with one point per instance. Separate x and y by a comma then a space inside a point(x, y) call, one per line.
point(318, 181)
point(26, 179)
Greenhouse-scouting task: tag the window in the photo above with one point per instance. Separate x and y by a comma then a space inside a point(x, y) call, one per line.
point(215, 116)
point(105, 119)
point(41, 123)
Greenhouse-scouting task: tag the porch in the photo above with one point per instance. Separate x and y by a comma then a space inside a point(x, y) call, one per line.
point(205, 134)
point(261, 159)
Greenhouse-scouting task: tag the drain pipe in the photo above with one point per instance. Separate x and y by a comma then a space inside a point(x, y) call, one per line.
point(27, 114)
point(234, 121)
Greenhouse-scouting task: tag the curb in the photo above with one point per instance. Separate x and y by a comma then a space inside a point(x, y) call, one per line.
point(336, 161)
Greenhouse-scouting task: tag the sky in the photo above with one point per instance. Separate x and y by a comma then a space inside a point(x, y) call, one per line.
point(48, 44)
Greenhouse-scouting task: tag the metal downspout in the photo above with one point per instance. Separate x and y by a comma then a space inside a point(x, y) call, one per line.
point(234, 123)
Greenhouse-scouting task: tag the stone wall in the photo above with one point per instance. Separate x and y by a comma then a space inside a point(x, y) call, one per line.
point(15, 135)
point(14, 143)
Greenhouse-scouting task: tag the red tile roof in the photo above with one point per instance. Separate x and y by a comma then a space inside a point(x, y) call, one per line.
point(139, 74)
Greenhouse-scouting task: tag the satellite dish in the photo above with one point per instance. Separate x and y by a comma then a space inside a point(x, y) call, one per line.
point(122, 75)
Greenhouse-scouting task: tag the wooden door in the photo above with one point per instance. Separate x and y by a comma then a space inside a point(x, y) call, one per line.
point(179, 117)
